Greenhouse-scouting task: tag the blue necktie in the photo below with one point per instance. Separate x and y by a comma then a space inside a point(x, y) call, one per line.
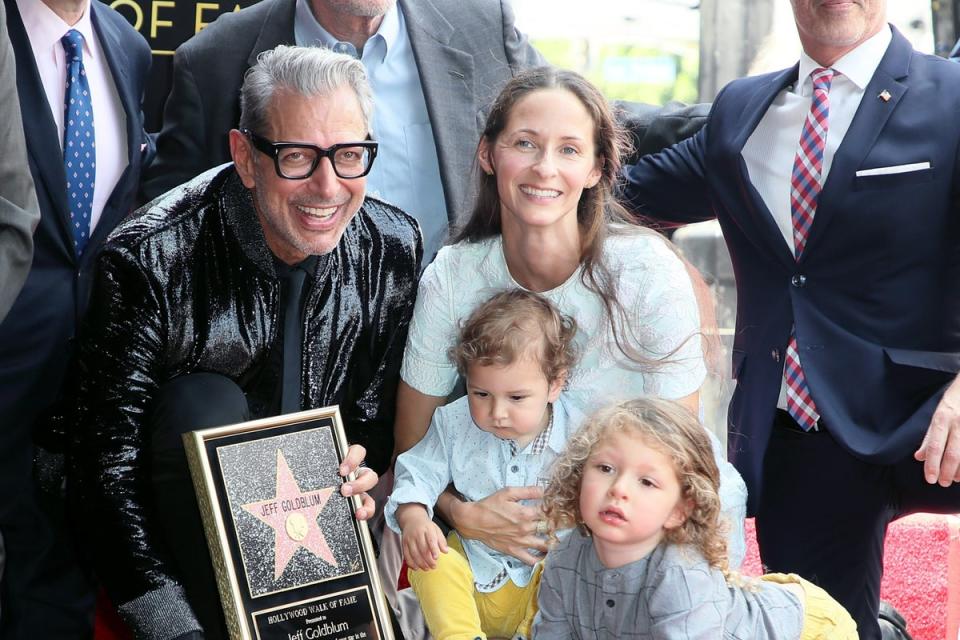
point(79, 146)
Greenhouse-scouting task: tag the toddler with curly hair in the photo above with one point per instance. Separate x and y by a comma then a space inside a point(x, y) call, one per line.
point(648, 556)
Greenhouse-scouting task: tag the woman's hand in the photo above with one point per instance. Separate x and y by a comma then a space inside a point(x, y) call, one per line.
point(365, 480)
point(501, 522)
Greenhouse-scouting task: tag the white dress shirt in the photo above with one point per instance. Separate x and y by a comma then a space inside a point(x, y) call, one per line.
point(45, 29)
point(407, 170)
point(772, 147)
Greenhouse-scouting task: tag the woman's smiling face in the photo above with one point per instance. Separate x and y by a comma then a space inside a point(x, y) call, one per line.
point(543, 160)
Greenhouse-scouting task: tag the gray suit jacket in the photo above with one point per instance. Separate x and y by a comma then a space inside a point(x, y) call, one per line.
point(19, 212)
point(466, 50)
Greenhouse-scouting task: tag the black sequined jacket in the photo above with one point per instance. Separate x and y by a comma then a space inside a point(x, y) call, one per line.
point(187, 284)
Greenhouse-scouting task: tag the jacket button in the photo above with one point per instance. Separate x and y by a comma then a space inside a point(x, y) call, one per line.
point(775, 354)
point(799, 280)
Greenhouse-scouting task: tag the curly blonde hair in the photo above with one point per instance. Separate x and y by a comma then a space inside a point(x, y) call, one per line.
point(513, 324)
point(670, 429)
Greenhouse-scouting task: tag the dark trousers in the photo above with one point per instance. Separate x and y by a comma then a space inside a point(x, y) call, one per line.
point(45, 592)
point(188, 403)
point(823, 514)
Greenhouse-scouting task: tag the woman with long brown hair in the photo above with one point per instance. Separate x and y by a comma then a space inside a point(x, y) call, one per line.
point(545, 220)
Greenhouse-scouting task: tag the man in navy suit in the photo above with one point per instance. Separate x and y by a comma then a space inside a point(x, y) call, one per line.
point(81, 70)
point(846, 250)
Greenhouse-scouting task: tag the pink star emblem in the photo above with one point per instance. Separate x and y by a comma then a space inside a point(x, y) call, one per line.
point(292, 514)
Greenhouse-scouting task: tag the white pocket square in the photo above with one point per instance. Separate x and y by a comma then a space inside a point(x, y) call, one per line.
point(897, 168)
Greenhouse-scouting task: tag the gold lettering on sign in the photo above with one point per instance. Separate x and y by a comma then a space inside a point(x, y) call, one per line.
point(155, 20)
point(200, 23)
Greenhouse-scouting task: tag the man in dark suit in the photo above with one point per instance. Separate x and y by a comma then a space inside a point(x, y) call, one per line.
point(435, 66)
point(19, 214)
point(75, 60)
point(846, 249)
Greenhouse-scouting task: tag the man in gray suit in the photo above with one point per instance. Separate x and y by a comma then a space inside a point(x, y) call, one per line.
point(19, 212)
point(435, 66)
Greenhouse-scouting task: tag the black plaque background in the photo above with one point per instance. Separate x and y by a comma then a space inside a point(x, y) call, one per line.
point(300, 596)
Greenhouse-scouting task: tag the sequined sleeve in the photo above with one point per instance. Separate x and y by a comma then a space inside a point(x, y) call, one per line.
point(119, 361)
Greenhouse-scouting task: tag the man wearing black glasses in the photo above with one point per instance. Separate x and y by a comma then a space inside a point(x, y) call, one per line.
point(261, 287)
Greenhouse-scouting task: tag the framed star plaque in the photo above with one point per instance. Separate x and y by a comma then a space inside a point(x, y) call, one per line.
point(291, 560)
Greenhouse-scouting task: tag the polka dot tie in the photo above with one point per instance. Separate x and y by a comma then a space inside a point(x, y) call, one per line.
point(79, 146)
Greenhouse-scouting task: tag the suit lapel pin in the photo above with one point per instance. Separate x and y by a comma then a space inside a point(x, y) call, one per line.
point(885, 95)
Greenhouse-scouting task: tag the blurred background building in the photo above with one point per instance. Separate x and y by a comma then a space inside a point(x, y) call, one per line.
point(660, 50)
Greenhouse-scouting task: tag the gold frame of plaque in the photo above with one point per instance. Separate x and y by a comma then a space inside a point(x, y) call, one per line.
point(291, 560)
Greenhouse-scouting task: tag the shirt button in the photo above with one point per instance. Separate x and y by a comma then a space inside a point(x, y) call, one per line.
point(346, 48)
point(514, 468)
point(799, 280)
point(611, 603)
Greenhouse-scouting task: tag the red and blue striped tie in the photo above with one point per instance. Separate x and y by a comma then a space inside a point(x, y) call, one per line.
point(804, 189)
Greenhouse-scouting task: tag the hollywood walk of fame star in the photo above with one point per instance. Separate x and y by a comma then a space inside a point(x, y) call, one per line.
point(292, 514)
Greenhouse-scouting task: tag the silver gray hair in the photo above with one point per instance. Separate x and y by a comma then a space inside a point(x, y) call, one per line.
point(304, 71)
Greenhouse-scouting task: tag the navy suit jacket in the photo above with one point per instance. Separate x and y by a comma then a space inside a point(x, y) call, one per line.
point(36, 337)
point(876, 295)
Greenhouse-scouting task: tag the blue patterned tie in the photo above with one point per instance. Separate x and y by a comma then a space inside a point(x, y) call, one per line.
point(79, 146)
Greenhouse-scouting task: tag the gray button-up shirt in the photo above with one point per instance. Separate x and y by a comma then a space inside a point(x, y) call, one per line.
point(670, 594)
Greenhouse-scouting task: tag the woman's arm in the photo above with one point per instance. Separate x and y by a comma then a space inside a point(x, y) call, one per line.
point(691, 402)
point(414, 412)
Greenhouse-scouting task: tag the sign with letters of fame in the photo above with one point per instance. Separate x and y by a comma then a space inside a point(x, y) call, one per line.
point(292, 562)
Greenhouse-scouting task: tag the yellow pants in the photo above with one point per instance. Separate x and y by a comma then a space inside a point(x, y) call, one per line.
point(455, 610)
point(823, 617)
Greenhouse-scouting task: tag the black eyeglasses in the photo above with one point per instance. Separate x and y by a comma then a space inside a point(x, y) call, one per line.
point(298, 160)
